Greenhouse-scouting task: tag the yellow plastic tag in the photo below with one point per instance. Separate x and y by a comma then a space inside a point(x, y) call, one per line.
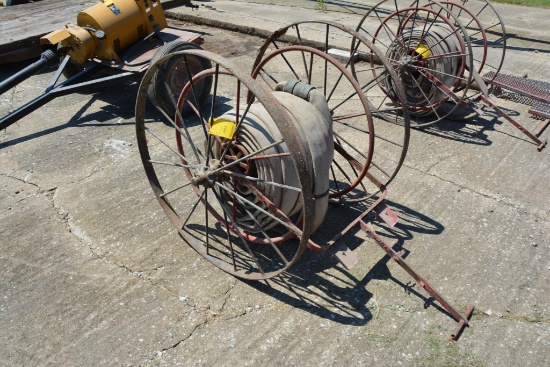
point(422, 50)
point(108, 2)
point(222, 128)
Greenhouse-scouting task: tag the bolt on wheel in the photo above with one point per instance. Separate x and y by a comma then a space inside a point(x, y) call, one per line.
point(371, 131)
point(231, 177)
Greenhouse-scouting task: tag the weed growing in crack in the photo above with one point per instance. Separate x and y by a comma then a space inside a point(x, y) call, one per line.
point(320, 5)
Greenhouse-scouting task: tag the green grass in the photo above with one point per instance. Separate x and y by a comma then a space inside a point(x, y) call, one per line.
point(537, 3)
point(443, 353)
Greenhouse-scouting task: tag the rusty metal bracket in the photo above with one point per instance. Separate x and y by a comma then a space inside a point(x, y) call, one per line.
point(534, 90)
point(348, 258)
point(540, 143)
point(461, 318)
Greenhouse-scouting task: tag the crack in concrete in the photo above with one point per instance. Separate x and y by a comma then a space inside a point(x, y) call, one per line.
point(506, 201)
point(330, 8)
point(227, 296)
point(23, 180)
point(96, 168)
point(480, 315)
point(10, 101)
point(407, 310)
point(11, 98)
point(521, 319)
point(209, 318)
point(438, 163)
point(72, 228)
point(175, 345)
point(527, 320)
point(211, 315)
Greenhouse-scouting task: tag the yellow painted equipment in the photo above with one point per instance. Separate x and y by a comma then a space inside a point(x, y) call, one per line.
point(124, 36)
point(107, 28)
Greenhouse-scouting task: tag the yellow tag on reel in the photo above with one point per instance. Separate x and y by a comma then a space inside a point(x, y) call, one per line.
point(225, 129)
point(422, 50)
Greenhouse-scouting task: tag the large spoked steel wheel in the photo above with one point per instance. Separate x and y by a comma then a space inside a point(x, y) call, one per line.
point(486, 32)
point(371, 131)
point(495, 36)
point(172, 73)
point(431, 52)
point(232, 179)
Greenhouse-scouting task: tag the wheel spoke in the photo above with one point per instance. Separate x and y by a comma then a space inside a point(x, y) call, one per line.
point(245, 243)
point(248, 155)
point(229, 239)
point(194, 93)
point(169, 164)
point(168, 146)
point(184, 133)
point(415, 15)
point(303, 53)
point(243, 201)
point(249, 178)
point(184, 223)
point(238, 127)
point(174, 190)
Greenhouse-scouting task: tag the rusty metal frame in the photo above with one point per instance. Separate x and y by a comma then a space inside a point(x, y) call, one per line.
point(348, 258)
point(534, 90)
point(534, 137)
point(336, 246)
point(461, 318)
point(68, 86)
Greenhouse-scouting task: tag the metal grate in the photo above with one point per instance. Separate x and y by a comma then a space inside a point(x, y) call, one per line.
point(541, 109)
point(535, 89)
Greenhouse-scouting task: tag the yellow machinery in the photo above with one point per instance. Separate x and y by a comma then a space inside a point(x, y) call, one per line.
point(124, 35)
point(107, 28)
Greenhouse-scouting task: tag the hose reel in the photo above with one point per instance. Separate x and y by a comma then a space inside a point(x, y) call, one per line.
point(371, 133)
point(431, 51)
point(236, 178)
point(260, 163)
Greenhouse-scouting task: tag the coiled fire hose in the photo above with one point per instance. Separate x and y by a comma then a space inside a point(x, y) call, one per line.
point(310, 114)
point(423, 95)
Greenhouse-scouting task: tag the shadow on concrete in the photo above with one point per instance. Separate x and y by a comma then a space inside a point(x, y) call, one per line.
point(339, 295)
point(118, 106)
point(523, 40)
point(475, 130)
point(472, 131)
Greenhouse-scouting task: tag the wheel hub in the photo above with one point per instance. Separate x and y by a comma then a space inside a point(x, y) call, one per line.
point(206, 175)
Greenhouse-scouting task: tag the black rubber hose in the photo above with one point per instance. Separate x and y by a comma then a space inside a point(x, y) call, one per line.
point(48, 58)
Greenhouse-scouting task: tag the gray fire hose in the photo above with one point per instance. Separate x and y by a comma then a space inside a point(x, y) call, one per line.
point(310, 114)
point(438, 40)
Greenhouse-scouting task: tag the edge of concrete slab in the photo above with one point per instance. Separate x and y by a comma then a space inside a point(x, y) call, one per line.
point(254, 31)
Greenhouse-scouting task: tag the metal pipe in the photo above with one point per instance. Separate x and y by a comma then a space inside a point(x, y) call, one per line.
point(63, 89)
point(48, 58)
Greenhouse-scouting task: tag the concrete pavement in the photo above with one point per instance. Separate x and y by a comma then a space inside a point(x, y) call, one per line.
point(93, 273)
point(524, 26)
